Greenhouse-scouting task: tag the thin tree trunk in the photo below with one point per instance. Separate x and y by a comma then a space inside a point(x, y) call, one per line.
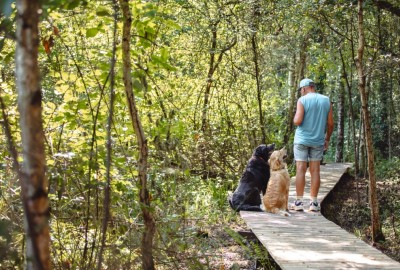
point(213, 65)
point(210, 74)
point(10, 141)
point(107, 195)
point(390, 116)
point(352, 116)
point(259, 97)
point(33, 180)
point(340, 122)
point(148, 233)
point(296, 73)
point(377, 234)
point(361, 146)
point(303, 59)
point(254, 29)
point(206, 101)
point(292, 100)
point(382, 127)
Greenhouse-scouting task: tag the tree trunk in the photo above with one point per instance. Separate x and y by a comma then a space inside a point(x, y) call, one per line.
point(377, 234)
point(206, 101)
point(302, 60)
point(381, 138)
point(259, 97)
point(33, 180)
point(213, 65)
point(352, 116)
point(254, 29)
point(361, 146)
point(148, 234)
point(107, 188)
point(340, 122)
point(390, 110)
point(210, 74)
point(291, 107)
point(296, 73)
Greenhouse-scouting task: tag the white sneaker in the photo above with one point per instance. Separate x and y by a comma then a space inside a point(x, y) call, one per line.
point(298, 206)
point(314, 206)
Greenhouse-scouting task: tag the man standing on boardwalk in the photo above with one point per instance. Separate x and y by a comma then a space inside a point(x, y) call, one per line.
point(314, 121)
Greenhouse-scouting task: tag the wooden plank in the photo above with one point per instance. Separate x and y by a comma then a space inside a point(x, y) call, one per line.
point(306, 240)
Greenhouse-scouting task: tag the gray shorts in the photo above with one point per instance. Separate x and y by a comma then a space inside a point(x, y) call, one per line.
point(308, 153)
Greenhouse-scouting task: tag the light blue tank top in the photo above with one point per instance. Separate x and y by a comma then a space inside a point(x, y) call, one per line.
point(311, 132)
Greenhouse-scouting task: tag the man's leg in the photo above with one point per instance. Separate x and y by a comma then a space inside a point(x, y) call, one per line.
point(301, 168)
point(301, 157)
point(315, 178)
point(315, 183)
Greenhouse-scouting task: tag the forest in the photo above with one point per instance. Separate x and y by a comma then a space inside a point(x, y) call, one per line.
point(126, 123)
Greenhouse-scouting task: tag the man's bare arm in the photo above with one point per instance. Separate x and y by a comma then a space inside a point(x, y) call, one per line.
point(298, 118)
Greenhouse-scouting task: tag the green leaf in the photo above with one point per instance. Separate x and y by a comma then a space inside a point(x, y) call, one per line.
point(73, 4)
point(9, 57)
point(102, 11)
point(163, 63)
point(137, 85)
point(82, 104)
point(150, 14)
point(164, 54)
point(173, 24)
point(92, 32)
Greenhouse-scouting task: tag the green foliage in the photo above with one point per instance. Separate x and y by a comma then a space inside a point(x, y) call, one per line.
point(389, 174)
point(388, 169)
point(254, 249)
point(191, 170)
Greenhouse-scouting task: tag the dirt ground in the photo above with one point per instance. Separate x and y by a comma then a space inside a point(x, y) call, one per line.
point(346, 205)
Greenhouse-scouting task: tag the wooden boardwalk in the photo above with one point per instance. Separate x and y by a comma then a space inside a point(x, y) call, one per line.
point(307, 240)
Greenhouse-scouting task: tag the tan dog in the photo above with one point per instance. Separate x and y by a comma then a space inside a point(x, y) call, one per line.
point(276, 198)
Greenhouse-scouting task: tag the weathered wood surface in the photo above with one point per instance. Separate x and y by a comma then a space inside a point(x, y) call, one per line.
point(306, 240)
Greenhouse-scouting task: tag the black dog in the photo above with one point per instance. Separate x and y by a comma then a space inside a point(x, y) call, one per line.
point(253, 181)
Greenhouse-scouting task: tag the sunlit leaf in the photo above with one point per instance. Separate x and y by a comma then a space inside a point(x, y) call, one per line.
point(92, 32)
point(102, 11)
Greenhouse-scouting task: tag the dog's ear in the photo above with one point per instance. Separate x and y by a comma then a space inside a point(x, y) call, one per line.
point(259, 150)
point(271, 147)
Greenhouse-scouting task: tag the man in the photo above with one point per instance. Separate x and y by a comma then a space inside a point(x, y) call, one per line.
point(314, 121)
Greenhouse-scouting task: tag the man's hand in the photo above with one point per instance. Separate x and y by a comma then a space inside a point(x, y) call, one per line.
point(326, 145)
